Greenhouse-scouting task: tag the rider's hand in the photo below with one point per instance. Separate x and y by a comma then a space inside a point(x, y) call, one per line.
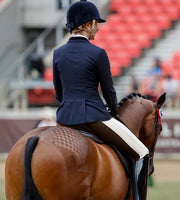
point(113, 112)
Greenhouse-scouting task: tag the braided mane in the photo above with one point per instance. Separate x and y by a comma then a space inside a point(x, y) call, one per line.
point(130, 96)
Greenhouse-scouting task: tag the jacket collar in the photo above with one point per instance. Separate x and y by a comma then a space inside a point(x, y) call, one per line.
point(77, 38)
point(78, 35)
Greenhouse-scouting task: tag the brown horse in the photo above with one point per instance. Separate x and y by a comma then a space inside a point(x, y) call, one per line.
point(66, 165)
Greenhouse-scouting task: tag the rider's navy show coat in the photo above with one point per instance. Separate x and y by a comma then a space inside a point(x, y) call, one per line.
point(78, 68)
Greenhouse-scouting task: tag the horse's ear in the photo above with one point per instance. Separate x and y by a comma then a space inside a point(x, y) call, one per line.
point(161, 100)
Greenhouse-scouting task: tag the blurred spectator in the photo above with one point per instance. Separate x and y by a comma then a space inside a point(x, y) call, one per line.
point(64, 4)
point(156, 69)
point(151, 87)
point(170, 86)
point(36, 66)
point(48, 117)
point(134, 84)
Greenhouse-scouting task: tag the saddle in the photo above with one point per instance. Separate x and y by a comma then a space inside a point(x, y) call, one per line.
point(124, 159)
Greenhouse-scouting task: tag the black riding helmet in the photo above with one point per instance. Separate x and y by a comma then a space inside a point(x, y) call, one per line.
point(80, 13)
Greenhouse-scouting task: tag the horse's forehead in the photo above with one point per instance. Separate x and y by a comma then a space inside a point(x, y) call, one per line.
point(143, 104)
point(67, 139)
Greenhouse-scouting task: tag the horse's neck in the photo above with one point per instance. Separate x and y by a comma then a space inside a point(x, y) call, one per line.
point(133, 118)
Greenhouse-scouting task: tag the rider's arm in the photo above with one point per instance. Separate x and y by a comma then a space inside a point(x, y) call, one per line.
point(106, 81)
point(56, 80)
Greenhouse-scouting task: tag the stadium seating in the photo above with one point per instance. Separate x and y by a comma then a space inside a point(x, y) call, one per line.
point(172, 12)
point(48, 74)
point(167, 66)
point(153, 30)
point(176, 59)
point(41, 97)
point(116, 4)
point(132, 26)
point(172, 66)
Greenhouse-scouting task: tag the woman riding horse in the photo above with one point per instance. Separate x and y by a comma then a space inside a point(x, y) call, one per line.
point(58, 162)
point(78, 68)
point(65, 165)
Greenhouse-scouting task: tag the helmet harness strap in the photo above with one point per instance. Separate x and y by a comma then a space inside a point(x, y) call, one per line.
point(92, 30)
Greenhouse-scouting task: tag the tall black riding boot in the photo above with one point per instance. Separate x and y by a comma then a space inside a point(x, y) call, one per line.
point(140, 178)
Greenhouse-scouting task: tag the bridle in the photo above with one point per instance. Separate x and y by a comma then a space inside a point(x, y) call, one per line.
point(156, 128)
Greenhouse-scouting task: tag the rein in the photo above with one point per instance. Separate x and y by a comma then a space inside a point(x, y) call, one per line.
point(157, 123)
point(156, 127)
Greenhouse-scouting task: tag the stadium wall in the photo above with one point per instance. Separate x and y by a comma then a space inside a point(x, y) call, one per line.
point(12, 128)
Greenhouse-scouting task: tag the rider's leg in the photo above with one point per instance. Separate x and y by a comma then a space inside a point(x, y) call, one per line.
point(140, 178)
point(140, 167)
point(116, 133)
